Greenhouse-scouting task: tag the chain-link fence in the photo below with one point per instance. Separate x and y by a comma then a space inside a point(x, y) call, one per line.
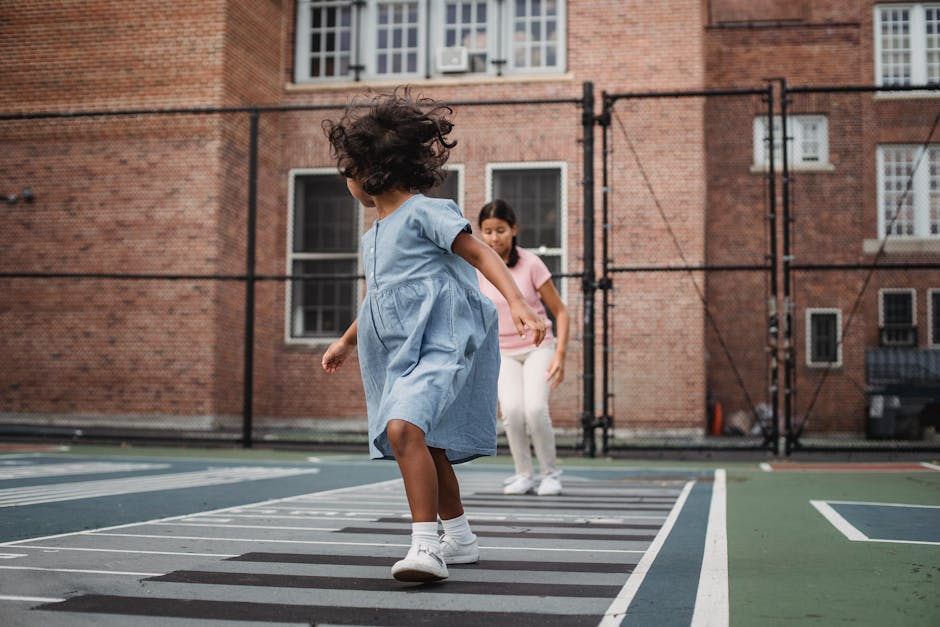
point(864, 170)
point(765, 276)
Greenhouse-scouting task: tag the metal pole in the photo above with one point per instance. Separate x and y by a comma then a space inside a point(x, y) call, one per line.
point(248, 385)
point(588, 286)
point(605, 284)
point(773, 321)
point(787, 276)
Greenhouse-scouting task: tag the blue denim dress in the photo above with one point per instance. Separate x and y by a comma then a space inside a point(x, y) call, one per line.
point(428, 338)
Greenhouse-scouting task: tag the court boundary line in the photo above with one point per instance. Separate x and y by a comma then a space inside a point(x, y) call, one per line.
point(712, 598)
point(212, 511)
point(13, 597)
point(851, 532)
point(617, 610)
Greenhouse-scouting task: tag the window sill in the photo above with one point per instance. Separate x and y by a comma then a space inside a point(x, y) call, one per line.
point(800, 167)
point(308, 344)
point(898, 245)
point(824, 365)
point(566, 77)
point(919, 94)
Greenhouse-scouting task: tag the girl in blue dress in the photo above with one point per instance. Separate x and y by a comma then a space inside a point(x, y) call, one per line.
point(427, 338)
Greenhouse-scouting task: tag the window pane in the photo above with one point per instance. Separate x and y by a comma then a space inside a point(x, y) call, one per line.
point(450, 188)
point(824, 338)
point(465, 25)
point(898, 308)
point(323, 307)
point(895, 46)
point(933, 202)
point(935, 317)
point(330, 39)
point(897, 208)
point(325, 216)
point(535, 196)
point(396, 38)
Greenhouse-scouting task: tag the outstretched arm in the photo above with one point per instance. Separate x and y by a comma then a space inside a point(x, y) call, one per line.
point(552, 300)
point(484, 259)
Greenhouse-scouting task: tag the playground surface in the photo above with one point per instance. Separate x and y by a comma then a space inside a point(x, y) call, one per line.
point(93, 535)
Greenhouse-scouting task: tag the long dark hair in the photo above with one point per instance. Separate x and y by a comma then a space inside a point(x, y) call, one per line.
point(394, 141)
point(501, 210)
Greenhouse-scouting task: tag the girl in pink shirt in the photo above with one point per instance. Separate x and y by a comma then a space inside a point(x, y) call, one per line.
point(528, 372)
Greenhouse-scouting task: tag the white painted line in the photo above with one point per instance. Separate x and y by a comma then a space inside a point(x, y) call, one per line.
point(11, 556)
point(77, 468)
point(711, 602)
point(618, 608)
point(930, 466)
point(56, 549)
point(83, 571)
point(835, 518)
point(214, 511)
point(330, 543)
point(69, 491)
point(218, 526)
point(883, 504)
point(766, 467)
point(9, 597)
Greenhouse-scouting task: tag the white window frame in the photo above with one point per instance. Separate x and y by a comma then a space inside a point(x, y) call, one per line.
point(562, 166)
point(291, 257)
point(810, 312)
point(796, 144)
point(932, 340)
point(920, 192)
point(896, 290)
point(500, 21)
point(458, 169)
point(917, 31)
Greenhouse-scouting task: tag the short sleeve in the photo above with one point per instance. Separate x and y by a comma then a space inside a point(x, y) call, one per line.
point(539, 272)
point(441, 221)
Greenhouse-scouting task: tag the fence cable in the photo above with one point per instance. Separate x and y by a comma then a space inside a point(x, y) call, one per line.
point(908, 190)
point(701, 295)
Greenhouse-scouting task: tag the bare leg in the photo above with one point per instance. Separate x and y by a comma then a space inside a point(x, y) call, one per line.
point(418, 469)
point(448, 489)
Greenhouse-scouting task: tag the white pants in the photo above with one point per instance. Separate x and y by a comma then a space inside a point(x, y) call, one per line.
point(523, 402)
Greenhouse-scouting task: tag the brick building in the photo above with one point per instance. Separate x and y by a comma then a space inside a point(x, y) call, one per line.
point(166, 194)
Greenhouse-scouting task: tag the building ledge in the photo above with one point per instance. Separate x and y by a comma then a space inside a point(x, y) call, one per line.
point(896, 245)
point(300, 88)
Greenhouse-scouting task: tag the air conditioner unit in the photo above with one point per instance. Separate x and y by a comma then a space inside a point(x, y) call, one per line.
point(454, 59)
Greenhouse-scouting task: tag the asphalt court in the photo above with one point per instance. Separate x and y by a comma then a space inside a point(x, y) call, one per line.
point(201, 543)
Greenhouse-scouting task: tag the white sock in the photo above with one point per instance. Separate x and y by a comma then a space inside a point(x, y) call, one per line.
point(425, 533)
point(459, 529)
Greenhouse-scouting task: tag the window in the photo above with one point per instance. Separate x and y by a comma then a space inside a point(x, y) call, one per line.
point(536, 193)
point(823, 337)
point(933, 317)
point(452, 187)
point(907, 44)
point(324, 236)
point(808, 142)
point(908, 191)
point(897, 317)
point(387, 39)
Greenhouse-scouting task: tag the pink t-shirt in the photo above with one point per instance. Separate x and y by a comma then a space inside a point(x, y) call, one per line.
point(530, 274)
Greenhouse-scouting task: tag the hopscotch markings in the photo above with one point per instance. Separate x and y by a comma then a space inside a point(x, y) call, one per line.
point(83, 571)
point(11, 497)
point(11, 556)
point(56, 549)
point(82, 468)
point(10, 597)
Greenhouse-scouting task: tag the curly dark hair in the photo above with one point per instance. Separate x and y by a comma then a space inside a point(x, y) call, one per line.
point(395, 141)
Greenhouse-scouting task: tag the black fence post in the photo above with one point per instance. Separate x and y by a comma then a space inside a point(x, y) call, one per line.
point(773, 315)
point(788, 365)
point(606, 283)
point(588, 285)
point(248, 389)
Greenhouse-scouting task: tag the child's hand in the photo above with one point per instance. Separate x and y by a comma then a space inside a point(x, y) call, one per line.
point(526, 319)
point(555, 373)
point(335, 355)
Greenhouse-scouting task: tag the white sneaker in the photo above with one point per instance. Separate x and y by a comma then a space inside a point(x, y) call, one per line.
point(550, 485)
point(521, 485)
point(509, 480)
point(454, 552)
point(421, 564)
